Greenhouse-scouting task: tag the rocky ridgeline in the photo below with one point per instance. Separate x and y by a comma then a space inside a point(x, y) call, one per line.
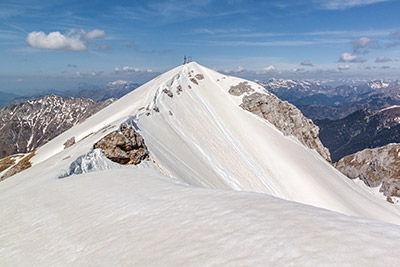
point(284, 116)
point(125, 147)
point(375, 167)
point(26, 126)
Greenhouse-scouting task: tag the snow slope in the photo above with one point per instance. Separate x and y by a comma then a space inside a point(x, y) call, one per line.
point(209, 141)
point(138, 217)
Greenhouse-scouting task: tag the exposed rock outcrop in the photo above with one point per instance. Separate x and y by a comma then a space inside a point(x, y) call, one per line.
point(11, 165)
point(125, 147)
point(193, 80)
point(70, 142)
point(199, 76)
point(240, 89)
point(168, 92)
point(375, 167)
point(179, 89)
point(284, 116)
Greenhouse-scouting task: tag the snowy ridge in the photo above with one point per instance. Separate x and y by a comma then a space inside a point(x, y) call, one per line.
point(209, 141)
point(378, 84)
point(183, 206)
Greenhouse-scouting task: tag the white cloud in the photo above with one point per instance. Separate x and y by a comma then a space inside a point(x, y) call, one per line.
point(74, 40)
point(95, 34)
point(345, 4)
point(349, 57)
point(128, 69)
point(265, 70)
point(105, 47)
point(269, 68)
point(55, 41)
point(392, 44)
point(300, 70)
point(239, 69)
point(307, 63)
point(360, 45)
point(344, 67)
point(396, 33)
point(383, 59)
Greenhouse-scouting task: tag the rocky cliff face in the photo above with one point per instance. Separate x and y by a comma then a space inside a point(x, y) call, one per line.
point(28, 125)
point(283, 115)
point(376, 167)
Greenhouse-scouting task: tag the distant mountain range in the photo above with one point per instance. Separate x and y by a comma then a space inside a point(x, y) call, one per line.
point(34, 120)
point(319, 101)
point(6, 98)
point(28, 125)
point(115, 89)
point(362, 129)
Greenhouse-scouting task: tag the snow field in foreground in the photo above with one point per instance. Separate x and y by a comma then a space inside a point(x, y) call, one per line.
point(138, 217)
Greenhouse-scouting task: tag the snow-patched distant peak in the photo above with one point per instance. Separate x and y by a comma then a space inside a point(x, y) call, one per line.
point(389, 108)
point(288, 84)
point(378, 84)
point(118, 83)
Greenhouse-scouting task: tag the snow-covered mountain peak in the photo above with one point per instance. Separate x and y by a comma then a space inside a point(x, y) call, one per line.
point(202, 131)
point(212, 130)
point(118, 83)
point(378, 84)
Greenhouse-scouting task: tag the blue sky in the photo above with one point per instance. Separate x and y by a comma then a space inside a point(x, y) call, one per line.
point(57, 44)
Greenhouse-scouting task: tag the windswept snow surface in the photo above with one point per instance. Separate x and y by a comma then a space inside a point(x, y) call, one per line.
point(183, 206)
point(138, 217)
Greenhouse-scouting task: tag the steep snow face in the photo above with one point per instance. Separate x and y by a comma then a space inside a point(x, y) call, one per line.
point(197, 133)
point(138, 217)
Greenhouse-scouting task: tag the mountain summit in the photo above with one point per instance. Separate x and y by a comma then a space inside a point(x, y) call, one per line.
point(188, 141)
